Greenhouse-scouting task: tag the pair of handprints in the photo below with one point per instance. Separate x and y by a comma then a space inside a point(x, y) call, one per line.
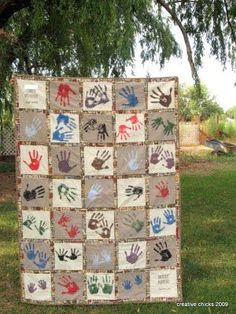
point(105, 284)
point(159, 154)
point(128, 284)
point(39, 259)
point(100, 128)
point(42, 284)
point(133, 124)
point(99, 224)
point(64, 130)
point(168, 127)
point(71, 229)
point(31, 222)
point(97, 95)
point(156, 222)
point(65, 256)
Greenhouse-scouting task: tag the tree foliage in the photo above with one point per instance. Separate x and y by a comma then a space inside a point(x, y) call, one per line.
point(231, 113)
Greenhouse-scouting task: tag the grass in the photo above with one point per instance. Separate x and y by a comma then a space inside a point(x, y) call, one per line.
point(208, 249)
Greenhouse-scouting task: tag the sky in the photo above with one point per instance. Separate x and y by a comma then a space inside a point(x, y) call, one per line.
point(219, 82)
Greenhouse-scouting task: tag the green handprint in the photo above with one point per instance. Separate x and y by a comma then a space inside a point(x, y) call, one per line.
point(42, 227)
point(169, 128)
point(133, 222)
point(157, 122)
point(30, 220)
point(93, 285)
point(107, 285)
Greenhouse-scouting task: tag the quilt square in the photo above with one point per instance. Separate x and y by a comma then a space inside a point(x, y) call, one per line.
point(37, 255)
point(66, 193)
point(100, 256)
point(131, 224)
point(36, 224)
point(37, 287)
point(68, 225)
point(33, 126)
point(64, 128)
point(100, 286)
point(34, 159)
point(34, 192)
point(163, 221)
point(68, 256)
point(69, 286)
point(98, 160)
point(162, 158)
point(99, 193)
point(162, 191)
point(131, 192)
point(100, 224)
point(97, 128)
point(131, 159)
point(32, 94)
point(97, 96)
point(66, 160)
point(130, 127)
point(132, 255)
point(132, 285)
point(163, 283)
point(161, 126)
point(130, 96)
point(64, 95)
point(161, 94)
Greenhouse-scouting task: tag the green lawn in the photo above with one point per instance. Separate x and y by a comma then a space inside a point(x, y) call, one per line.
point(208, 248)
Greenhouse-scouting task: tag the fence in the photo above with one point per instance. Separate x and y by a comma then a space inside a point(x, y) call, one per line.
point(7, 142)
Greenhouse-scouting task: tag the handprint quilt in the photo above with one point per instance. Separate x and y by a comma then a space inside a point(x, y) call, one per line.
point(98, 190)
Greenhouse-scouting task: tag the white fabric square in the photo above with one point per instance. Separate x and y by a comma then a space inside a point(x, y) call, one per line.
point(98, 160)
point(131, 192)
point(97, 96)
point(100, 225)
point(162, 222)
point(67, 193)
point(36, 224)
point(162, 158)
point(132, 255)
point(100, 286)
point(64, 128)
point(34, 159)
point(37, 286)
point(68, 256)
point(161, 95)
point(130, 128)
point(163, 283)
point(32, 94)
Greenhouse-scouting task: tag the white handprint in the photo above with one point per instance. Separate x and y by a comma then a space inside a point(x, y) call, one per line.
point(131, 160)
point(104, 258)
point(94, 192)
point(33, 128)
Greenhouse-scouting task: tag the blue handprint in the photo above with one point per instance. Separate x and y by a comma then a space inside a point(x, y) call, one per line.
point(156, 225)
point(66, 120)
point(30, 251)
point(42, 261)
point(131, 160)
point(129, 94)
point(62, 136)
point(127, 285)
point(170, 217)
point(138, 279)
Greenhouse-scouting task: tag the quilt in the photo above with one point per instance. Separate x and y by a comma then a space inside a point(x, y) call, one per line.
point(98, 189)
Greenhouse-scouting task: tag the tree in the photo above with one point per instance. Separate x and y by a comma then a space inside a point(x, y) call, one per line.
point(231, 113)
point(192, 104)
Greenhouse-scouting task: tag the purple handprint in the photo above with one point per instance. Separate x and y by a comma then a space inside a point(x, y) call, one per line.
point(63, 162)
point(169, 159)
point(134, 254)
point(31, 288)
point(156, 155)
point(42, 284)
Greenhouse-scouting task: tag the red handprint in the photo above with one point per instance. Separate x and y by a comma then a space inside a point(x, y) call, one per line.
point(123, 131)
point(63, 220)
point(69, 284)
point(63, 92)
point(73, 231)
point(34, 160)
point(163, 189)
point(136, 124)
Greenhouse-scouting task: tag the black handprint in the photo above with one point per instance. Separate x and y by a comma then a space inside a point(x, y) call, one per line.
point(74, 254)
point(102, 132)
point(163, 251)
point(134, 190)
point(30, 220)
point(33, 194)
point(62, 254)
point(90, 125)
point(161, 98)
point(96, 96)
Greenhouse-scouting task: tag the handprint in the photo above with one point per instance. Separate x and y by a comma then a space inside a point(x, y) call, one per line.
point(131, 160)
point(169, 159)
point(156, 225)
point(94, 221)
point(33, 128)
point(133, 222)
point(73, 231)
point(169, 128)
point(69, 193)
point(134, 191)
point(63, 162)
point(129, 95)
point(127, 284)
point(163, 189)
point(31, 288)
point(105, 230)
point(65, 120)
point(122, 132)
point(136, 124)
point(156, 155)
point(74, 254)
point(33, 194)
point(170, 217)
point(163, 251)
point(160, 98)
point(157, 122)
point(100, 159)
point(107, 285)
point(91, 125)
point(63, 220)
point(63, 93)
point(34, 160)
point(138, 279)
point(42, 261)
point(134, 254)
point(62, 255)
point(30, 251)
point(102, 132)
point(69, 284)
point(42, 227)
point(102, 258)
point(96, 96)
point(42, 284)
point(93, 284)
point(94, 192)
point(61, 135)
point(30, 220)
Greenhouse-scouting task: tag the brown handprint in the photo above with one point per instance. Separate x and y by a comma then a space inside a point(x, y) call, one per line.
point(94, 221)
point(161, 98)
point(105, 230)
point(156, 155)
point(100, 159)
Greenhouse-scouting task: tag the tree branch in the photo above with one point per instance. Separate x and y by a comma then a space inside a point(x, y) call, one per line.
point(229, 22)
point(9, 7)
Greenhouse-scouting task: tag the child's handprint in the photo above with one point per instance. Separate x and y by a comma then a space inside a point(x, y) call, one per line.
point(30, 251)
point(61, 135)
point(157, 122)
point(32, 288)
point(105, 230)
point(138, 279)
point(94, 192)
point(67, 192)
point(63, 93)
point(96, 96)
point(156, 155)
point(127, 284)
point(163, 251)
point(34, 160)
point(42, 284)
point(134, 254)
point(66, 120)
point(42, 227)
point(63, 220)
point(42, 260)
point(169, 159)
point(63, 162)
point(62, 255)
point(70, 285)
point(129, 94)
point(163, 188)
point(73, 231)
point(107, 285)
point(94, 221)
point(160, 98)
point(136, 191)
point(33, 194)
point(122, 132)
point(156, 225)
point(74, 254)
point(91, 125)
point(170, 217)
point(169, 128)
point(30, 220)
point(133, 222)
point(131, 160)
point(33, 128)
point(100, 159)
point(136, 124)
point(93, 284)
